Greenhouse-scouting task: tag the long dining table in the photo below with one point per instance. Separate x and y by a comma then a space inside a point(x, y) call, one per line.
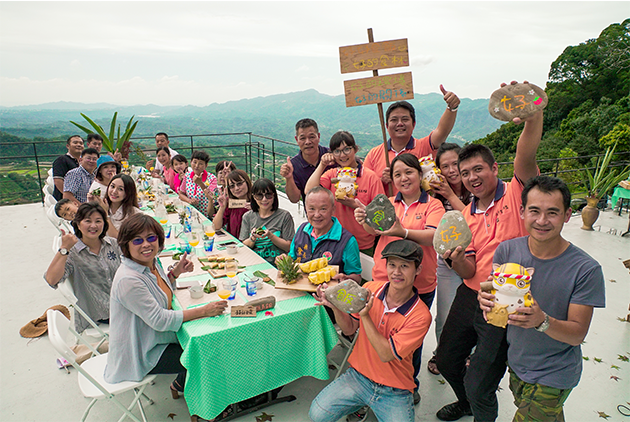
point(230, 359)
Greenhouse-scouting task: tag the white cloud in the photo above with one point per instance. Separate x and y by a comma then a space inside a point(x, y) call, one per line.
point(303, 68)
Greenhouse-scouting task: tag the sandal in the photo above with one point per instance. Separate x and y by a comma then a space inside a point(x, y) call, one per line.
point(432, 366)
point(175, 390)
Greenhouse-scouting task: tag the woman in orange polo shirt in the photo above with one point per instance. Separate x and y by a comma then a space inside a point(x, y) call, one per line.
point(344, 149)
point(417, 216)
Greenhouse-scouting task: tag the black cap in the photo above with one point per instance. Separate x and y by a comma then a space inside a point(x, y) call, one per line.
point(404, 249)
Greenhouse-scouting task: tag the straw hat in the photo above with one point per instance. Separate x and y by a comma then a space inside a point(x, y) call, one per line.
point(39, 326)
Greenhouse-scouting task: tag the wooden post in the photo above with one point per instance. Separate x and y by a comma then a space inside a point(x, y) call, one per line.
point(381, 116)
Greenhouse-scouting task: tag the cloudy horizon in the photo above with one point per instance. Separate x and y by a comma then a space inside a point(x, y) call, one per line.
point(199, 53)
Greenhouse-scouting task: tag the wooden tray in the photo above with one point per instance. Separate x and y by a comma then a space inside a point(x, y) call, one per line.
point(303, 284)
point(219, 272)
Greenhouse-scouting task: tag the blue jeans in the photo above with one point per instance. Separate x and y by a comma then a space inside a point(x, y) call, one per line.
point(351, 391)
point(447, 283)
point(427, 298)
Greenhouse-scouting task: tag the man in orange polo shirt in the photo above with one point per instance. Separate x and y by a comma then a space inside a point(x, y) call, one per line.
point(391, 327)
point(400, 119)
point(493, 216)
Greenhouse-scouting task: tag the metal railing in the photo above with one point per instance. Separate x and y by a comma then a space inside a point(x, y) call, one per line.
point(260, 156)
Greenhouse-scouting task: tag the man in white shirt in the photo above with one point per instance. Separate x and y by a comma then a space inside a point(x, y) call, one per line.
point(161, 140)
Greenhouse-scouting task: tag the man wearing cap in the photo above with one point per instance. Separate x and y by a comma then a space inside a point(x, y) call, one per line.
point(297, 170)
point(77, 182)
point(391, 327)
point(400, 120)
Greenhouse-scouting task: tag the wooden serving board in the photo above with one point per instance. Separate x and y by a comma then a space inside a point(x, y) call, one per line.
point(302, 284)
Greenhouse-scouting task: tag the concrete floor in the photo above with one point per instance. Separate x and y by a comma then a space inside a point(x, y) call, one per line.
point(33, 389)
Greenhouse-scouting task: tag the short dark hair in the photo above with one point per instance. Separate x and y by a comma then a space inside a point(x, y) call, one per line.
point(236, 176)
point(165, 149)
point(446, 146)
point(131, 194)
point(340, 137)
point(85, 210)
point(306, 123)
point(133, 226)
point(221, 165)
point(179, 158)
point(94, 136)
point(547, 184)
point(59, 204)
point(200, 155)
point(73, 136)
point(262, 186)
point(409, 160)
point(401, 104)
point(163, 134)
point(89, 151)
point(476, 150)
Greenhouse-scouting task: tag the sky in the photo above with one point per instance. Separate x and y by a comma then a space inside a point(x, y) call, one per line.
point(198, 53)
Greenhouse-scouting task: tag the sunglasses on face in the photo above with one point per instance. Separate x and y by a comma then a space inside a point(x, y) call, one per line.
point(259, 196)
point(139, 241)
point(236, 184)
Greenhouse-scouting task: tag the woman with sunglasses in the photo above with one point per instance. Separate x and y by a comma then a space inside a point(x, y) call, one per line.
point(89, 260)
point(267, 229)
point(142, 322)
point(344, 149)
point(239, 187)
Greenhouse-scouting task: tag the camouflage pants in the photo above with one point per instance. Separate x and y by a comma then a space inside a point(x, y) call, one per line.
point(537, 402)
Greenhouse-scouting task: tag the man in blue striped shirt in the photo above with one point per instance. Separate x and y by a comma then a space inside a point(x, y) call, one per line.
point(77, 182)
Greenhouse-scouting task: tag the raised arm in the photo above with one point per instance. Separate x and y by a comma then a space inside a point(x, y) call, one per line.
point(447, 121)
point(291, 189)
point(525, 161)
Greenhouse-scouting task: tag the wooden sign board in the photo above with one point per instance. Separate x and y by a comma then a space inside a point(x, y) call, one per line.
point(237, 203)
point(374, 56)
point(378, 89)
point(244, 311)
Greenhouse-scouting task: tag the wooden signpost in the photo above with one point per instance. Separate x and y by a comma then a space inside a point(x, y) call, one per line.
point(377, 89)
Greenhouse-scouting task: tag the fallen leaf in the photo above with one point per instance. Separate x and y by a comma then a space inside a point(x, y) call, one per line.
point(598, 360)
point(614, 367)
point(622, 319)
point(441, 381)
point(612, 280)
point(614, 377)
point(603, 415)
point(585, 357)
point(172, 415)
point(499, 389)
point(264, 417)
point(623, 358)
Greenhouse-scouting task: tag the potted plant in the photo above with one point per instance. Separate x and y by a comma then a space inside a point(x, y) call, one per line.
point(601, 180)
point(112, 143)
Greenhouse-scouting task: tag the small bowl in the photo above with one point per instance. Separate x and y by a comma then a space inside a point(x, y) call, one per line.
point(196, 292)
point(232, 249)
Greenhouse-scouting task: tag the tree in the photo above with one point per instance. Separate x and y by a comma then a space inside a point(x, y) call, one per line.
point(620, 136)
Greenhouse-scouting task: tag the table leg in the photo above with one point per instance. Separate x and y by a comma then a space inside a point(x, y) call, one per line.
point(270, 402)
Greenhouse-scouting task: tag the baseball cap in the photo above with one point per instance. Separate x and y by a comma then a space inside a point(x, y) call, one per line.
point(404, 249)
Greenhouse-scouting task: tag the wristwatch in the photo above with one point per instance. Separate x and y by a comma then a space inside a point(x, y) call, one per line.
point(544, 326)
point(63, 251)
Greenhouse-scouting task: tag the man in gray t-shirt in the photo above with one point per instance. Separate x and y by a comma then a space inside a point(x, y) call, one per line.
point(544, 354)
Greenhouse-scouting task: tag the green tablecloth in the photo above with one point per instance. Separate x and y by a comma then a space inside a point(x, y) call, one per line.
point(619, 192)
point(232, 359)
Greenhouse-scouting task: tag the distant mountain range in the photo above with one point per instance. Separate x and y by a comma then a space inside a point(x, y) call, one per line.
point(273, 116)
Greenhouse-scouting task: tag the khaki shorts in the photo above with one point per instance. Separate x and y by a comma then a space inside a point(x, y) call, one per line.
point(537, 402)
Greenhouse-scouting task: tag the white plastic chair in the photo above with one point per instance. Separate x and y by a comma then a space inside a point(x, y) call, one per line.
point(58, 222)
point(50, 172)
point(49, 201)
point(91, 378)
point(98, 331)
point(48, 189)
point(367, 263)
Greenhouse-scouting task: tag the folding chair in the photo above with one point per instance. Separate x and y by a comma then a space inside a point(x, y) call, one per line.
point(98, 331)
point(49, 200)
point(345, 344)
point(91, 378)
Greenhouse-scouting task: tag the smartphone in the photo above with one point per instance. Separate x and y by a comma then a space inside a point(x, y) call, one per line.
point(231, 242)
point(219, 233)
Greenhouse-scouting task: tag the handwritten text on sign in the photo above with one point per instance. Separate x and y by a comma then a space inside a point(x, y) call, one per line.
point(374, 56)
point(378, 89)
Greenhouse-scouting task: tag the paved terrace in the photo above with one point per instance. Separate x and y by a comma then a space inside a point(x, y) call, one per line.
point(33, 389)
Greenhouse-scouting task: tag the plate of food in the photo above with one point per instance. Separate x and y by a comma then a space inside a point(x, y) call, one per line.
point(306, 277)
point(215, 265)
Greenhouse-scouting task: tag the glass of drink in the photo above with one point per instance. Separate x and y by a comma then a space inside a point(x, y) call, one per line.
point(208, 245)
point(208, 229)
point(230, 285)
point(231, 268)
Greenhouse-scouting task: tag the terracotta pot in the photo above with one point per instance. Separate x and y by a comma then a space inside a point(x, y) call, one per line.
point(590, 213)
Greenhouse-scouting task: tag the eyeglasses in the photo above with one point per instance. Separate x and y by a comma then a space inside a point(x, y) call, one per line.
point(139, 241)
point(345, 151)
point(259, 196)
point(236, 184)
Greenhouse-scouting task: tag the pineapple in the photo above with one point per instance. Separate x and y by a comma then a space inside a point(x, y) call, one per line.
point(323, 275)
point(289, 269)
point(314, 265)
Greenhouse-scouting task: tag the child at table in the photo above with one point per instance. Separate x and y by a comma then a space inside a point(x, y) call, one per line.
point(239, 188)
